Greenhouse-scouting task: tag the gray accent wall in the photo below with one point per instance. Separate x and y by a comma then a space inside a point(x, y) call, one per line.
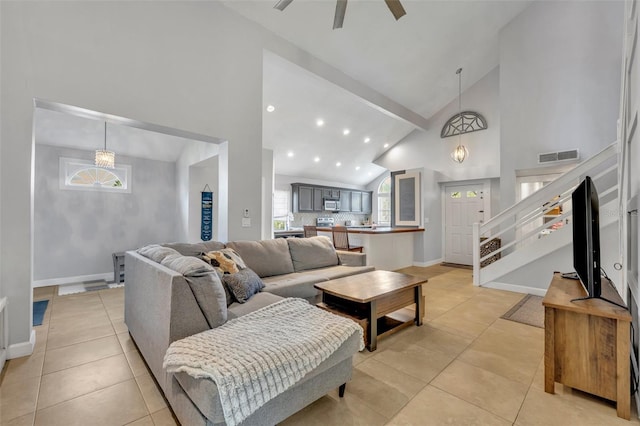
point(75, 232)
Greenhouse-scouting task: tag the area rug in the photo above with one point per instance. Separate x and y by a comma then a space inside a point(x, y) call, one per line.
point(83, 287)
point(527, 311)
point(39, 309)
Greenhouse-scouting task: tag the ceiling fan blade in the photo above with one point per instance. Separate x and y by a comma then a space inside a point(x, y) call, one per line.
point(282, 4)
point(341, 8)
point(396, 8)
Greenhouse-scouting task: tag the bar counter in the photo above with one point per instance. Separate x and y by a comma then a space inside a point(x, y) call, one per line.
point(386, 248)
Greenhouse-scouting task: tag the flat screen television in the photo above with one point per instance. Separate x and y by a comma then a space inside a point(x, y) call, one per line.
point(586, 236)
point(586, 239)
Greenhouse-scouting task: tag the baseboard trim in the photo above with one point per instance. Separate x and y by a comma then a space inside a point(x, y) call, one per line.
point(72, 280)
point(516, 288)
point(18, 350)
point(429, 263)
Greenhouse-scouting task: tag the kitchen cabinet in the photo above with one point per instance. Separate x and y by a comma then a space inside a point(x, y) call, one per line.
point(356, 201)
point(303, 199)
point(345, 201)
point(366, 202)
point(318, 195)
point(330, 193)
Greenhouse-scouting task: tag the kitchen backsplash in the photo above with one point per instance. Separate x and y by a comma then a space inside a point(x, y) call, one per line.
point(301, 219)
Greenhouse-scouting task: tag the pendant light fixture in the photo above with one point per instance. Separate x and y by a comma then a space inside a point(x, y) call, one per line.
point(105, 159)
point(460, 153)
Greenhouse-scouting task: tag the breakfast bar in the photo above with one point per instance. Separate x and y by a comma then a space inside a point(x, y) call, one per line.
point(386, 248)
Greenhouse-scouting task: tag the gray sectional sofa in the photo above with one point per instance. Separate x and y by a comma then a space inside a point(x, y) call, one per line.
point(160, 307)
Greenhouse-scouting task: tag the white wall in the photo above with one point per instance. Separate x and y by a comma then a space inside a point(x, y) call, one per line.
point(559, 83)
point(425, 150)
point(194, 66)
point(268, 180)
point(75, 232)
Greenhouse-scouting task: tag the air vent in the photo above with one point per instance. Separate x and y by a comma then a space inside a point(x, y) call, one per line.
point(552, 157)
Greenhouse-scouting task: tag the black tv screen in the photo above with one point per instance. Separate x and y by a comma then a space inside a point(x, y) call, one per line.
point(586, 236)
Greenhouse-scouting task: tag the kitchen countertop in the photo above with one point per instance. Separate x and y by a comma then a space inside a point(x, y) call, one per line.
point(378, 230)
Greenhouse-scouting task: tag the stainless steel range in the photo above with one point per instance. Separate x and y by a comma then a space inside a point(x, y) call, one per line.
point(325, 222)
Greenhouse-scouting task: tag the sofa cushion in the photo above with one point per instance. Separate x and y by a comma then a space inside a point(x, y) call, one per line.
point(311, 253)
point(258, 301)
point(156, 252)
point(333, 272)
point(265, 257)
point(205, 285)
point(243, 284)
point(195, 249)
point(296, 284)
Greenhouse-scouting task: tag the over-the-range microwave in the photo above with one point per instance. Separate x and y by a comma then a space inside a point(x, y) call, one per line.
point(332, 205)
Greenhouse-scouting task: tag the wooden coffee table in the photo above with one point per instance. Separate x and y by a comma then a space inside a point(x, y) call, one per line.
point(374, 299)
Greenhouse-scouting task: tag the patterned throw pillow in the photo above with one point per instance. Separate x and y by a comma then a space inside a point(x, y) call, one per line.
point(227, 260)
point(243, 284)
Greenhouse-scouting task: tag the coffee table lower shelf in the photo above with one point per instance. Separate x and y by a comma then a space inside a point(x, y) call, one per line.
point(387, 325)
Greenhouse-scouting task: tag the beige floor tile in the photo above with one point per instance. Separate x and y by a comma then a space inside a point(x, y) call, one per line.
point(150, 393)
point(435, 407)
point(513, 356)
point(79, 320)
point(435, 339)
point(145, 421)
point(496, 394)
point(44, 293)
point(408, 385)
point(164, 417)
point(136, 363)
point(119, 326)
point(347, 411)
point(65, 337)
point(462, 326)
point(571, 408)
point(415, 361)
point(116, 405)
point(126, 342)
point(18, 398)
point(86, 378)
point(26, 367)
point(26, 420)
point(42, 332)
point(81, 353)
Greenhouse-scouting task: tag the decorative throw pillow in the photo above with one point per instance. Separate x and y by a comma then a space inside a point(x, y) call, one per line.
point(156, 252)
point(226, 259)
point(243, 284)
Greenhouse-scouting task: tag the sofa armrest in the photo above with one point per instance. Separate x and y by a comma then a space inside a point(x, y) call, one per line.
point(350, 258)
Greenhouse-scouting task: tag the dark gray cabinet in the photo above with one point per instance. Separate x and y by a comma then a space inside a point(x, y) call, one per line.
point(356, 201)
point(345, 201)
point(366, 202)
point(310, 199)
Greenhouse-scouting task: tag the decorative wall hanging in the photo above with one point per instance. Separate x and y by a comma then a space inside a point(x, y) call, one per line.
point(465, 122)
point(206, 227)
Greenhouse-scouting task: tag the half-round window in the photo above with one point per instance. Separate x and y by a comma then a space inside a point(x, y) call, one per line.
point(84, 175)
point(95, 176)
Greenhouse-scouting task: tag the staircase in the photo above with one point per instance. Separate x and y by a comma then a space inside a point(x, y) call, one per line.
point(536, 233)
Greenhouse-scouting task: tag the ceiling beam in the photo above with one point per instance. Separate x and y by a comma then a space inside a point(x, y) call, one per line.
point(333, 75)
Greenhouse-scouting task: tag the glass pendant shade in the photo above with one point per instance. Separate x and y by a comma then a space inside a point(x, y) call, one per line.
point(105, 159)
point(460, 153)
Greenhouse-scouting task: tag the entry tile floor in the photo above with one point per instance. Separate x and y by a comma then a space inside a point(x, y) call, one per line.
point(464, 366)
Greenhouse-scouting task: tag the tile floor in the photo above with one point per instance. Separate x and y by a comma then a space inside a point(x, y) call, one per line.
point(464, 366)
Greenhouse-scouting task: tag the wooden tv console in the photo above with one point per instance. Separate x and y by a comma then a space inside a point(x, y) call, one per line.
point(586, 343)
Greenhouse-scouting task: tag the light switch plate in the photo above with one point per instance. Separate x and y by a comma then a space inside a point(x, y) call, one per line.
point(246, 222)
point(245, 213)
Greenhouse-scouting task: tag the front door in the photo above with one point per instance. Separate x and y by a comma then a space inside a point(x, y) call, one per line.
point(464, 206)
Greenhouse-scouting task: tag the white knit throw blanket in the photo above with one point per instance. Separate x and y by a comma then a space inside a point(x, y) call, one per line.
point(257, 356)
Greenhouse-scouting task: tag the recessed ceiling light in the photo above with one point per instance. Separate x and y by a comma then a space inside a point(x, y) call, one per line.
point(316, 159)
point(357, 167)
point(367, 140)
point(346, 132)
point(369, 173)
point(338, 164)
point(319, 122)
point(270, 108)
point(289, 154)
point(386, 145)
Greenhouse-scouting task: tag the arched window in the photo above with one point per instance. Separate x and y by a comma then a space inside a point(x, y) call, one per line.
point(384, 202)
point(83, 175)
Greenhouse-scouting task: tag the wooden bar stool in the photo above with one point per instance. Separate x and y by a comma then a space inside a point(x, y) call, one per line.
point(341, 239)
point(310, 231)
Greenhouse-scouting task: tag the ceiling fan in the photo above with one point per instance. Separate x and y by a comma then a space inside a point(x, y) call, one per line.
point(341, 7)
